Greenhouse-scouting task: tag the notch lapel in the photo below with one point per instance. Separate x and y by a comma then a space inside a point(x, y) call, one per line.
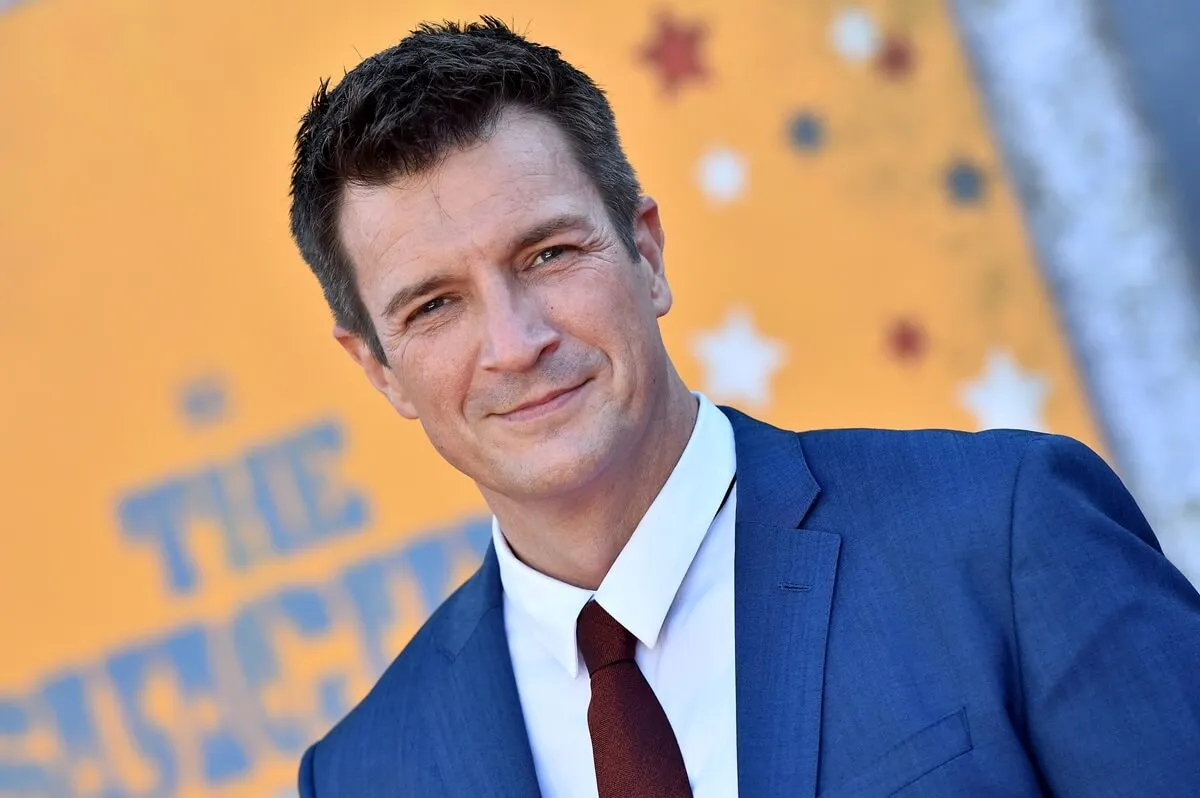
point(783, 592)
point(482, 745)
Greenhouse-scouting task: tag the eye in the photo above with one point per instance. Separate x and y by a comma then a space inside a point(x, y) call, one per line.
point(548, 254)
point(431, 306)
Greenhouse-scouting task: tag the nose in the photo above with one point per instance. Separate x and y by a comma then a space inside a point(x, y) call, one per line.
point(516, 331)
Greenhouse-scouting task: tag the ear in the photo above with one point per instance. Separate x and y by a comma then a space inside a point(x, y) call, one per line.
point(380, 375)
point(650, 239)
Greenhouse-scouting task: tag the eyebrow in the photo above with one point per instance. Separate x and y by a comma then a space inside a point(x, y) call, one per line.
point(544, 230)
point(410, 293)
point(528, 238)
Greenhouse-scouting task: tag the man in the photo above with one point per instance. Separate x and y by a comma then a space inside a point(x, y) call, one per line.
point(681, 600)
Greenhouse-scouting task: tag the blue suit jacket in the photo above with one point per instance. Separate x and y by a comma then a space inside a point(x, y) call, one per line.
point(916, 613)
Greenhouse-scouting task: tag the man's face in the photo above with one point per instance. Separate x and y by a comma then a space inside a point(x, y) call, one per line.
point(518, 328)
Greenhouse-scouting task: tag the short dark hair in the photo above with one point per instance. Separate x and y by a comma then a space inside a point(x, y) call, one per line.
point(403, 110)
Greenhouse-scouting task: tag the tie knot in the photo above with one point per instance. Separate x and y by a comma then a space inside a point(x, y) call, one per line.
point(602, 640)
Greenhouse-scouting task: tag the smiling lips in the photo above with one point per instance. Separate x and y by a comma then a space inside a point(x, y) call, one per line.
point(543, 405)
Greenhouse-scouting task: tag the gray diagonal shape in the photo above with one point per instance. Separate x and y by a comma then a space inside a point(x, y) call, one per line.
point(1108, 237)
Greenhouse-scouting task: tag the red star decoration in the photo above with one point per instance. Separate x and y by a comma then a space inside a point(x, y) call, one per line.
point(675, 52)
point(895, 59)
point(907, 340)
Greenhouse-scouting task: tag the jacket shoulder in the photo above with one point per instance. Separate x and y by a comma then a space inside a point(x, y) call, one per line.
point(928, 455)
point(936, 448)
point(382, 739)
point(925, 479)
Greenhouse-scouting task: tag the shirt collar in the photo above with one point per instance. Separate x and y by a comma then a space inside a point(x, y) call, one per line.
point(641, 585)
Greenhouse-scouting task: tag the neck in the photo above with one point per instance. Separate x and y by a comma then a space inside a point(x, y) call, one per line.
point(603, 514)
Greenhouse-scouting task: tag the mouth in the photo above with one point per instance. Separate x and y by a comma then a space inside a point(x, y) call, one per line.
point(543, 405)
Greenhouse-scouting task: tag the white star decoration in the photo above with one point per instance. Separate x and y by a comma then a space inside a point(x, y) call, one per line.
point(1004, 397)
point(855, 35)
point(738, 362)
point(722, 175)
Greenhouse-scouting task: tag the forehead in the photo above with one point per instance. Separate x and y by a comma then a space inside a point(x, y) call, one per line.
point(467, 207)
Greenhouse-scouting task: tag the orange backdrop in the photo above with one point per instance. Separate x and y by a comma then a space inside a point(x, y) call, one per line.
point(219, 534)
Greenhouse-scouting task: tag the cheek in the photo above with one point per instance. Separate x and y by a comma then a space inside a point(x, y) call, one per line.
point(437, 374)
point(597, 306)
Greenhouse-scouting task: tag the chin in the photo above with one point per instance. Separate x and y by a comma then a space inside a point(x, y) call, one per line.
point(554, 469)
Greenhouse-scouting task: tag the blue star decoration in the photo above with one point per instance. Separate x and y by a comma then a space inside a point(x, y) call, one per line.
point(965, 183)
point(806, 131)
point(203, 401)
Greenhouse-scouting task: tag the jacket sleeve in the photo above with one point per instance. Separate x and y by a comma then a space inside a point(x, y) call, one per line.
point(306, 781)
point(1107, 630)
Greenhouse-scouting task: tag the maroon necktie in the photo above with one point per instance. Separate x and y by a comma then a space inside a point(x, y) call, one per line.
point(636, 753)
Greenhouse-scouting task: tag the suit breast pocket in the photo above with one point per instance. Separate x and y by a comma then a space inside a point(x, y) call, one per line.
point(921, 753)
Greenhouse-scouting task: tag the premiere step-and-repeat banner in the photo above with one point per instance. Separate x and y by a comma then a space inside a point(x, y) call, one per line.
point(218, 534)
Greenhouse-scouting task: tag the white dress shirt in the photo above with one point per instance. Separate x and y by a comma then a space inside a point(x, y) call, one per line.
point(672, 587)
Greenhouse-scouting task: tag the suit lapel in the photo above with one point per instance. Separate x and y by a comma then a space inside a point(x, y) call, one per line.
point(783, 591)
point(482, 747)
